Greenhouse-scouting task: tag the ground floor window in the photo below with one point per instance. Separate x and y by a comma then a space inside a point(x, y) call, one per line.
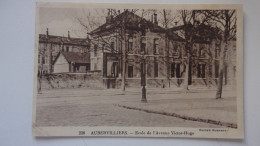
point(155, 69)
point(176, 70)
point(114, 70)
point(88, 67)
point(201, 70)
point(130, 71)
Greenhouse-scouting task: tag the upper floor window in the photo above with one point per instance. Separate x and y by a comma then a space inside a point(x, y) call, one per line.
point(143, 33)
point(217, 53)
point(143, 47)
point(155, 46)
point(95, 50)
point(67, 49)
point(130, 44)
point(112, 47)
point(201, 52)
point(176, 50)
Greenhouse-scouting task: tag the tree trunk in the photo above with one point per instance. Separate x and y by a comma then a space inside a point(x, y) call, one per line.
point(186, 76)
point(187, 68)
point(123, 58)
point(123, 74)
point(221, 71)
point(168, 62)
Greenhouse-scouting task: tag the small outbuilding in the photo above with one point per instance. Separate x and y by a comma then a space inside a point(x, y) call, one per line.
point(68, 62)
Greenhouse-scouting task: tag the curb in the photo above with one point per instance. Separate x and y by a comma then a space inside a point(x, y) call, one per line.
point(226, 124)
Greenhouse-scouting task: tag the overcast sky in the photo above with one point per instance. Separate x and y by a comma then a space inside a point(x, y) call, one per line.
point(61, 20)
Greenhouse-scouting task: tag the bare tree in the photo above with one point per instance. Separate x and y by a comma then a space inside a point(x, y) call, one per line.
point(188, 19)
point(225, 21)
point(167, 20)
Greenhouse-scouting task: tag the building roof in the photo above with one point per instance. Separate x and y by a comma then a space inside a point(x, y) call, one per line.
point(204, 33)
point(132, 21)
point(174, 36)
point(65, 40)
point(75, 57)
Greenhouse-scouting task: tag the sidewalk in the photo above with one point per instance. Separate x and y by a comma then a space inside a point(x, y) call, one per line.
point(196, 105)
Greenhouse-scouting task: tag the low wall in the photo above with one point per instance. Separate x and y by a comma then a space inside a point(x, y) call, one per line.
point(96, 81)
point(68, 80)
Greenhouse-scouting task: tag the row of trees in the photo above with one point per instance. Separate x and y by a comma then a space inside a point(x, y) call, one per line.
point(222, 22)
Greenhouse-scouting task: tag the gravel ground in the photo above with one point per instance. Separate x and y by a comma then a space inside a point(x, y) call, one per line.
point(88, 107)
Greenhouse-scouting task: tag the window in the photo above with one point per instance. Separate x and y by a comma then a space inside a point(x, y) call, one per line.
point(217, 53)
point(130, 71)
point(201, 52)
point(95, 50)
point(43, 60)
point(114, 69)
point(155, 69)
point(173, 70)
point(155, 46)
point(130, 44)
point(39, 58)
point(112, 46)
point(201, 70)
point(143, 32)
point(67, 49)
point(178, 70)
point(175, 50)
point(88, 67)
point(143, 46)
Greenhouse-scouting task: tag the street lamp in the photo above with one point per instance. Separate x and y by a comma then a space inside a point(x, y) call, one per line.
point(143, 77)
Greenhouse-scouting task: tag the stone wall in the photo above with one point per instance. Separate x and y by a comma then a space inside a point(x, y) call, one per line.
point(72, 80)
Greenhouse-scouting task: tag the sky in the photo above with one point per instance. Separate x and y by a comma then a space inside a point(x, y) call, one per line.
point(61, 20)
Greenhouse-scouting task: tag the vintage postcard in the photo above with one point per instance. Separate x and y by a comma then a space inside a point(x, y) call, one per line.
point(138, 70)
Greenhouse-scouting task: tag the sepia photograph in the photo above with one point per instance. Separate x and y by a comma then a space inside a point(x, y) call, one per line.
point(138, 70)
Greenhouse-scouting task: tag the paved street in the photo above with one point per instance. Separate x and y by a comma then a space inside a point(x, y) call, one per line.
point(85, 107)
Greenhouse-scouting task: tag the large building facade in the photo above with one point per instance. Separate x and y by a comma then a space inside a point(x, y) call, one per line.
point(130, 42)
point(51, 46)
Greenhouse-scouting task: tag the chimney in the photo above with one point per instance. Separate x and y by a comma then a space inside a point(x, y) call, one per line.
point(68, 34)
point(109, 16)
point(176, 23)
point(155, 18)
point(47, 33)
